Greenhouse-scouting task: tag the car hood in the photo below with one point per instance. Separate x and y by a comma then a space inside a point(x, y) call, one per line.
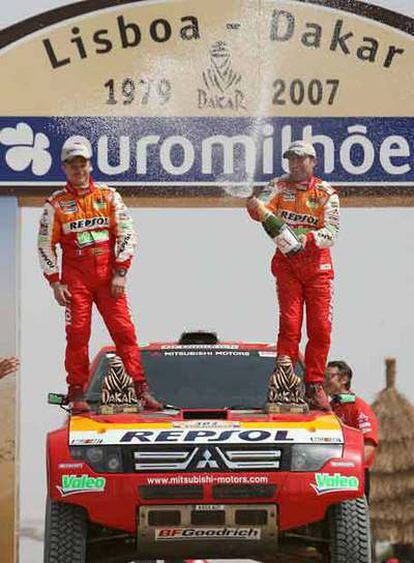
point(249, 427)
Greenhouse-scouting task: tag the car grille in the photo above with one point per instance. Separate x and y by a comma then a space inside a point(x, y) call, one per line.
point(211, 457)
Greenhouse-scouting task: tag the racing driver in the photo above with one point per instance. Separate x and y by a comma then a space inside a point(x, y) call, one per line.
point(95, 231)
point(310, 206)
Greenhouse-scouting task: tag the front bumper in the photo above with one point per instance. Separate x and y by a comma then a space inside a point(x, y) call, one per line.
point(200, 531)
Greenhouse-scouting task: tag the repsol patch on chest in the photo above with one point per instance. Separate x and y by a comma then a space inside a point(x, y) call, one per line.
point(85, 224)
point(292, 217)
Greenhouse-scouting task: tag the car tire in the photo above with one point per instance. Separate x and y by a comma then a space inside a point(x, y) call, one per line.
point(350, 532)
point(65, 533)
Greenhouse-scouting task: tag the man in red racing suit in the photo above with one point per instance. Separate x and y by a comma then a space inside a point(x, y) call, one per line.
point(95, 231)
point(310, 206)
point(352, 410)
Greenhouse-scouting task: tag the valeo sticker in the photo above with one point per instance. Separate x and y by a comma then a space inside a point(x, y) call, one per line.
point(328, 483)
point(72, 484)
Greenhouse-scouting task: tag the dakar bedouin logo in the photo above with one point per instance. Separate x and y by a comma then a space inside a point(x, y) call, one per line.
point(117, 386)
point(222, 82)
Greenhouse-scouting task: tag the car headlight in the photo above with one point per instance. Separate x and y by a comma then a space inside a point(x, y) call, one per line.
point(113, 462)
point(94, 455)
point(102, 459)
point(77, 452)
point(311, 457)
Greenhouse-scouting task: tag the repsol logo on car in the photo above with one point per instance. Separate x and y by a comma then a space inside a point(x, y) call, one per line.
point(203, 436)
point(86, 224)
point(127, 34)
point(299, 218)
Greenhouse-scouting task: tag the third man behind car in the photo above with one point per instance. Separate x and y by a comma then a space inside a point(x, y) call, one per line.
point(352, 410)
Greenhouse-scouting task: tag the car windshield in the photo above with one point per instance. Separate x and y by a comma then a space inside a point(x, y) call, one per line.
point(203, 378)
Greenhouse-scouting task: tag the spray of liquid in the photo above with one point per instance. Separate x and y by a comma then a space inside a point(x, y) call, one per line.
point(258, 128)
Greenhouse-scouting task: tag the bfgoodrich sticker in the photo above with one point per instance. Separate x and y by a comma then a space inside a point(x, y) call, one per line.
point(327, 483)
point(162, 534)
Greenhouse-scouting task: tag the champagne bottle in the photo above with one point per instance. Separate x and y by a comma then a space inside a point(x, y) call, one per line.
point(283, 236)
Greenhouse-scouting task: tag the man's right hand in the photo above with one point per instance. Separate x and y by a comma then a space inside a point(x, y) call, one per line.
point(61, 293)
point(252, 206)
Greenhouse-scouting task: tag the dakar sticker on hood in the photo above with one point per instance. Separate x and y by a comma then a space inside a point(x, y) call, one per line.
point(327, 483)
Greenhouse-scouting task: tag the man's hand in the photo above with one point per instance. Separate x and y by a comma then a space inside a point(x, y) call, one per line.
point(254, 206)
point(118, 284)
point(61, 293)
point(8, 365)
point(302, 238)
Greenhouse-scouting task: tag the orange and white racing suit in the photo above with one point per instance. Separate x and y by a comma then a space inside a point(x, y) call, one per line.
point(96, 234)
point(306, 278)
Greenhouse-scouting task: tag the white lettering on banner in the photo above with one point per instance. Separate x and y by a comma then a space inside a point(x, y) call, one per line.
point(357, 151)
point(207, 533)
point(188, 155)
point(123, 158)
point(228, 145)
point(141, 152)
point(358, 139)
point(393, 146)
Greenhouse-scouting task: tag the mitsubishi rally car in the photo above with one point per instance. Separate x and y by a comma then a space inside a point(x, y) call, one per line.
point(210, 476)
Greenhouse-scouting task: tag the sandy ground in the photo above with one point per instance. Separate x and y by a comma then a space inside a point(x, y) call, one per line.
point(7, 469)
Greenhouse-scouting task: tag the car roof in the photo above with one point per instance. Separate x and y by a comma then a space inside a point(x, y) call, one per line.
point(174, 345)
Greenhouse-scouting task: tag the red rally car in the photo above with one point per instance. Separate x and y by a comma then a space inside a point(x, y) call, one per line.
point(210, 476)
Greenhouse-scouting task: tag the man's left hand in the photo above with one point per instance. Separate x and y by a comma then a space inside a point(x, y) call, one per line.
point(302, 238)
point(118, 285)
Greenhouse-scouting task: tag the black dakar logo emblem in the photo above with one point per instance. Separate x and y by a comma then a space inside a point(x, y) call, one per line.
point(220, 74)
point(222, 81)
